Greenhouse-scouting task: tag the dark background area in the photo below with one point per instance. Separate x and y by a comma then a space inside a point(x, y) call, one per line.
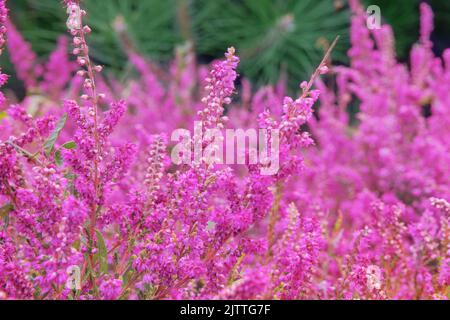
point(271, 36)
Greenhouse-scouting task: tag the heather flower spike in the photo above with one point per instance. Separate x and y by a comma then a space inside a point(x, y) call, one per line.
point(3, 30)
point(93, 207)
point(74, 21)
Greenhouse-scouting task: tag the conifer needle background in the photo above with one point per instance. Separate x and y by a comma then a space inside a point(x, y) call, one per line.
point(273, 36)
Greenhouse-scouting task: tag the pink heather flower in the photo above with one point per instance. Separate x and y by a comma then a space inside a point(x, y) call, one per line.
point(112, 118)
point(22, 56)
point(298, 252)
point(150, 80)
point(110, 289)
point(358, 210)
point(3, 30)
point(220, 87)
point(3, 20)
point(441, 204)
point(426, 24)
point(155, 169)
point(18, 113)
point(13, 281)
point(58, 70)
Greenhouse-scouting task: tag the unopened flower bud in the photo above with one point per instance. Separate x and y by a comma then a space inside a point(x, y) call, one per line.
point(88, 83)
point(304, 85)
point(323, 70)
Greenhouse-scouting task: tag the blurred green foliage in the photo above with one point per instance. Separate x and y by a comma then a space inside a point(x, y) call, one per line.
point(403, 16)
point(271, 36)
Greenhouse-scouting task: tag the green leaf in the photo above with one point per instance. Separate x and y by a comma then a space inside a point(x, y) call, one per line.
point(6, 209)
point(128, 274)
point(69, 145)
point(4, 213)
point(37, 293)
point(58, 158)
point(211, 226)
point(23, 151)
point(70, 176)
point(89, 270)
point(50, 142)
point(76, 244)
point(102, 253)
point(3, 115)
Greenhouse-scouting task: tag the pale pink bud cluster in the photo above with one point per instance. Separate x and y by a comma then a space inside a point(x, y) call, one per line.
point(81, 49)
point(155, 169)
point(3, 30)
point(220, 87)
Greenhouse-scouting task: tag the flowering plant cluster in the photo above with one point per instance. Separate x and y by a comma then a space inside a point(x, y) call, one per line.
point(91, 206)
